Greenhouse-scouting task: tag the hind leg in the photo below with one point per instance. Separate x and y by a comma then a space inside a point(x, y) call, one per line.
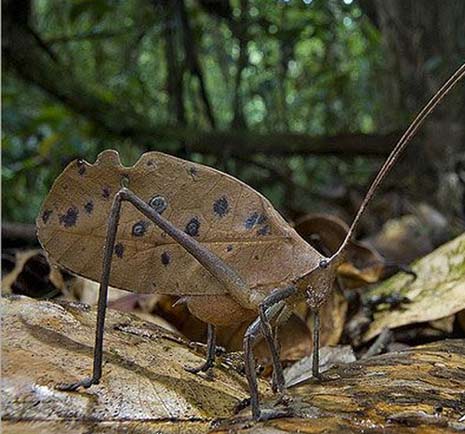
point(218, 268)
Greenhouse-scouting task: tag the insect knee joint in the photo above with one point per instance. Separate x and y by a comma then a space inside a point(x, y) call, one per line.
point(123, 194)
point(249, 335)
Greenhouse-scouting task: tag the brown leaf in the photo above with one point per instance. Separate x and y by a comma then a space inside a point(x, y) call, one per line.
point(32, 275)
point(326, 233)
point(438, 291)
point(412, 236)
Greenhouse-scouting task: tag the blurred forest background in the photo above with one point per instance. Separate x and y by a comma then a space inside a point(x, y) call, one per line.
point(302, 99)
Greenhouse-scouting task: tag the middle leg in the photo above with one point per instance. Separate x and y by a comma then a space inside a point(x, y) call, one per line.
point(211, 352)
point(271, 306)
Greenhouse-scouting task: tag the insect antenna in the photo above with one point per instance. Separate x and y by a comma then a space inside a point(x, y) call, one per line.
point(399, 148)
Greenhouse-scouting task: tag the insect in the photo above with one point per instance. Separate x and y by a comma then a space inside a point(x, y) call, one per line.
point(170, 226)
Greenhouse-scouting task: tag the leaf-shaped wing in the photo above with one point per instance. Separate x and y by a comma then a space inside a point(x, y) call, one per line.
point(219, 211)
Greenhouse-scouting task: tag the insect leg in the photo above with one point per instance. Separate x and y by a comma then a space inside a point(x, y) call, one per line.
point(272, 305)
point(269, 301)
point(211, 352)
point(282, 318)
point(102, 298)
point(249, 362)
point(232, 281)
point(316, 344)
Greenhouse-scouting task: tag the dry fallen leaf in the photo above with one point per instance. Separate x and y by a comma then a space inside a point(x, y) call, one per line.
point(407, 238)
point(438, 291)
point(326, 233)
point(32, 275)
point(329, 356)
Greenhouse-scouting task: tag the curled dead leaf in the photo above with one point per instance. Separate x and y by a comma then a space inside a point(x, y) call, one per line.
point(437, 292)
point(29, 273)
point(326, 233)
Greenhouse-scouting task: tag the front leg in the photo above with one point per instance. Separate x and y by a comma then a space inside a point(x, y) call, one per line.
point(316, 335)
point(316, 344)
point(268, 303)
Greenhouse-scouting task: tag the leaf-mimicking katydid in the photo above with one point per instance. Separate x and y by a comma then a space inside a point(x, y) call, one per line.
point(170, 226)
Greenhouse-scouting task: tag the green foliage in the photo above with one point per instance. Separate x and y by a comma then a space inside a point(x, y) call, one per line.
point(310, 67)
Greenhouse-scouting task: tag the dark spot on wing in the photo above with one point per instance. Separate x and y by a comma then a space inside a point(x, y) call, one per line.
point(264, 230)
point(256, 257)
point(251, 220)
point(69, 219)
point(165, 258)
point(119, 250)
point(193, 171)
point(140, 228)
point(221, 206)
point(46, 215)
point(229, 248)
point(89, 207)
point(150, 163)
point(105, 192)
point(254, 220)
point(192, 227)
point(81, 167)
point(158, 203)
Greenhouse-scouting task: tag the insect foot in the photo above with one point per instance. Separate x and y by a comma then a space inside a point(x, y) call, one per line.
point(71, 387)
point(211, 355)
point(281, 408)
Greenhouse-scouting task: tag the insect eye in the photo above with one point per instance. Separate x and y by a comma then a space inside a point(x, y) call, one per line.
point(158, 203)
point(324, 263)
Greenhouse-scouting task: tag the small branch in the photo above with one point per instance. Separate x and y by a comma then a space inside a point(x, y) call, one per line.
point(240, 30)
point(86, 36)
point(193, 61)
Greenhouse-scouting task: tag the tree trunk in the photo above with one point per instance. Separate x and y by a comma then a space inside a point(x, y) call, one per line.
point(423, 45)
